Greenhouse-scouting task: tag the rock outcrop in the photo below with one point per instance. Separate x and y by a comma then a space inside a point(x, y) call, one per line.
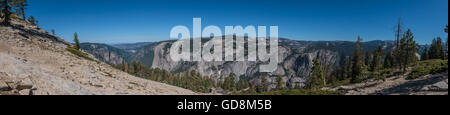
point(295, 60)
point(105, 52)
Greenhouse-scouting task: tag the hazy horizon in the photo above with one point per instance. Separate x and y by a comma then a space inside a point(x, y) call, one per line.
point(124, 43)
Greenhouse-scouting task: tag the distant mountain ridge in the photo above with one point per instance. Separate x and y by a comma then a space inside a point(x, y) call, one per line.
point(129, 46)
point(106, 53)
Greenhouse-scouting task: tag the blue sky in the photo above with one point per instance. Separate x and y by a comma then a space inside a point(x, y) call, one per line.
point(128, 21)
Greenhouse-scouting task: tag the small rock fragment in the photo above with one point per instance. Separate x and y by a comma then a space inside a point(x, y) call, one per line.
point(25, 92)
point(4, 87)
point(25, 84)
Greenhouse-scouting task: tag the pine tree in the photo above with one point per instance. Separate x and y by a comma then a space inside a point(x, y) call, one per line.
point(263, 85)
point(346, 70)
point(441, 51)
point(388, 60)
point(333, 77)
point(229, 83)
point(326, 70)
point(125, 66)
point(446, 42)
point(53, 31)
point(315, 80)
point(424, 55)
point(6, 9)
point(357, 64)
point(437, 49)
point(77, 42)
point(376, 61)
point(367, 58)
point(220, 82)
point(281, 85)
point(22, 8)
point(446, 29)
point(433, 50)
point(19, 7)
point(402, 54)
point(408, 50)
point(412, 48)
point(242, 83)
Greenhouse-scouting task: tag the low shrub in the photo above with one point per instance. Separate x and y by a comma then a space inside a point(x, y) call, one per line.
point(384, 73)
point(428, 67)
point(79, 53)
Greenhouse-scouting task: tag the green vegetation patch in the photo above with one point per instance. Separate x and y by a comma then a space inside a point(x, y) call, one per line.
point(428, 67)
point(79, 53)
point(382, 74)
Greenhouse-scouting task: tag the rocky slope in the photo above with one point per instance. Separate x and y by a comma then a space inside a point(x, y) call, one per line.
point(35, 62)
point(399, 85)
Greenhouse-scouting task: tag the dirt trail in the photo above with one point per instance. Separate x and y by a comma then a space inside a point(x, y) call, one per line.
point(398, 85)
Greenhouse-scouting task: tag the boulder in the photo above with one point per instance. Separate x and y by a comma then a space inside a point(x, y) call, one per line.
point(441, 85)
point(25, 92)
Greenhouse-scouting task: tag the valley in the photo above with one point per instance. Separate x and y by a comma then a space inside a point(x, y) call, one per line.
point(295, 59)
point(35, 61)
